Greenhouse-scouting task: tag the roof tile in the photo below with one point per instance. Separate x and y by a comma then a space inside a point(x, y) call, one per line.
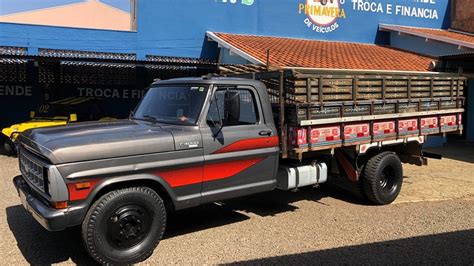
point(288, 52)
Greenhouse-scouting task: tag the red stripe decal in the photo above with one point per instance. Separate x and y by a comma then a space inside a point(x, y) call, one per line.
point(250, 144)
point(210, 172)
point(218, 171)
point(182, 177)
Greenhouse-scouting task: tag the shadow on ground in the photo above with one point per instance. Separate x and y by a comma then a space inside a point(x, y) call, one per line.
point(39, 246)
point(232, 211)
point(457, 150)
point(454, 248)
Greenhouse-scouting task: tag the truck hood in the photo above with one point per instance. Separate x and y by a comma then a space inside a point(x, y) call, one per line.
point(98, 140)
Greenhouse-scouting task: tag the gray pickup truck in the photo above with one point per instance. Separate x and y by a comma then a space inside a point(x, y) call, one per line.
point(198, 140)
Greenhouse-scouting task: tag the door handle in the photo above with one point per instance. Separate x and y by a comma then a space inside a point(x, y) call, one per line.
point(265, 133)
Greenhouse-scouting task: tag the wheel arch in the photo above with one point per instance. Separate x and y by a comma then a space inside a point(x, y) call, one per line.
point(408, 152)
point(153, 182)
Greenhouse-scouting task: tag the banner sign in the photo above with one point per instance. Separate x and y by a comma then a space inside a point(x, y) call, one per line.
point(322, 16)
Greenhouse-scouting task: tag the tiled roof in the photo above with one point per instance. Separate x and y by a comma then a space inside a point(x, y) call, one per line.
point(453, 37)
point(288, 52)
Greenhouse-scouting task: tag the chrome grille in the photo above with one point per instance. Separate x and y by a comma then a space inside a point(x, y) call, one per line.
point(32, 171)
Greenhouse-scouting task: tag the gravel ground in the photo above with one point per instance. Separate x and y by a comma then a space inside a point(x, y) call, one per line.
point(432, 222)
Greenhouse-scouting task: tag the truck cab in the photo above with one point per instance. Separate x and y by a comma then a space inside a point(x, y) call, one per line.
point(188, 142)
point(223, 127)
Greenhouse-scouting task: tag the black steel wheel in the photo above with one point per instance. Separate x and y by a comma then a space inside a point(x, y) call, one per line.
point(382, 178)
point(124, 226)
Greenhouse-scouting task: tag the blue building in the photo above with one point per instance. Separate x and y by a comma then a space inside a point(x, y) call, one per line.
point(178, 28)
point(404, 36)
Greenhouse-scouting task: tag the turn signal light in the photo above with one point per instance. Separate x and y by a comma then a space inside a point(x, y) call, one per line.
point(84, 185)
point(59, 204)
point(80, 190)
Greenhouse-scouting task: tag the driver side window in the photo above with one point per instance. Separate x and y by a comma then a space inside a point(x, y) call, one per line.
point(233, 107)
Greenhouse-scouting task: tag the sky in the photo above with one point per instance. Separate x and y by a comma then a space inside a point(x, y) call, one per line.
point(14, 6)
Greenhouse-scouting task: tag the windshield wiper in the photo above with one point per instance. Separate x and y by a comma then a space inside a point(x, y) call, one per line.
point(147, 118)
point(176, 122)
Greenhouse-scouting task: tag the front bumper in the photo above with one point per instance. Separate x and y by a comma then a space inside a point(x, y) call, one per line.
point(51, 219)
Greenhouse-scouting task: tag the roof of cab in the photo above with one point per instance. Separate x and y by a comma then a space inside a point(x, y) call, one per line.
point(207, 80)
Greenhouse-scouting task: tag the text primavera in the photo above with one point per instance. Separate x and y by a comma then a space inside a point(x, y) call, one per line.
point(321, 11)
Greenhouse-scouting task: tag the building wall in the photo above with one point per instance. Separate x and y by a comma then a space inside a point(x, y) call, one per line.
point(177, 28)
point(34, 37)
point(463, 15)
point(227, 57)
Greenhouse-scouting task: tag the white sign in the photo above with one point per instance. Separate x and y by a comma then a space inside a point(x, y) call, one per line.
point(243, 2)
point(421, 10)
point(111, 93)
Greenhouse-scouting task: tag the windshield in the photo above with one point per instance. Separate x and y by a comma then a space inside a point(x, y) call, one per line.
point(172, 104)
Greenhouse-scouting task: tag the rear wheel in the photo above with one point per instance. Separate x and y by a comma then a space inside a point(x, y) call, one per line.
point(124, 226)
point(382, 178)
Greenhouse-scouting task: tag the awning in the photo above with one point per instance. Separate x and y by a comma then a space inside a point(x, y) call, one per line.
point(461, 39)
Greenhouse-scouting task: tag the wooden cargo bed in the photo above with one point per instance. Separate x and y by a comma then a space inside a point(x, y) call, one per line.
point(318, 111)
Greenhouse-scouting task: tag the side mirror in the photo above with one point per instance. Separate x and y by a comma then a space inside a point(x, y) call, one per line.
point(231, 107)
point(72, 117)
point(217, 124)
point(216, 127)
point(32, 114)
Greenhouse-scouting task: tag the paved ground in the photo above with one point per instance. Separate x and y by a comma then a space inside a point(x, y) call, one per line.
point(449, 178)
point(431, 222)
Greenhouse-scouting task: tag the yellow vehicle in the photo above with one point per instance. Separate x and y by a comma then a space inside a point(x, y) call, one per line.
point(57, 113)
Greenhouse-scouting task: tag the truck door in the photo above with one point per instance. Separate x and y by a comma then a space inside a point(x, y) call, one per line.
point(240, 150)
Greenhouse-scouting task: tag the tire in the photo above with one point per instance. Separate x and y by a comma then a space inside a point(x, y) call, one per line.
point(124, 226)
point(9, 147)
point(382, 178)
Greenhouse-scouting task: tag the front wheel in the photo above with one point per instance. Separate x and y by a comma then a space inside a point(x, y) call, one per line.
point(382, 178)
point(124, 226)
point(9, 147)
